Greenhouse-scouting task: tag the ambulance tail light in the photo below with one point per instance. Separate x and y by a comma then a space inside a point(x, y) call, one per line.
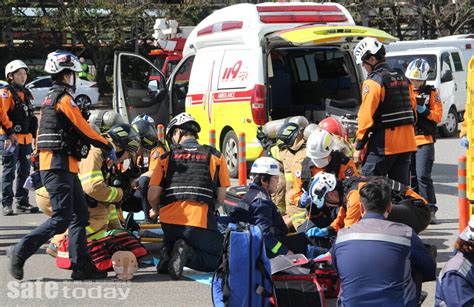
point(257, 104)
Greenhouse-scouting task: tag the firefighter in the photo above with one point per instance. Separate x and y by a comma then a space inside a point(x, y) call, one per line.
point(151, 149)
point(18, 131)
point(386, 116)
point(320, 157)
point(258, 209)
point(409, 208)
point(380, 262)
point(340, 140)
point(455, 284)
point(292, 154)
point(186, 185)
point(64, 137)
point(430, 110)
point(102, 181)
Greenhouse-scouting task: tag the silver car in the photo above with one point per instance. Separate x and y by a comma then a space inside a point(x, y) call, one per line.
point(87, 92)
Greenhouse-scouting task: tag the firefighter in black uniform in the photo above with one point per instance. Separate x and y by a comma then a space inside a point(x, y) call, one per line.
point(21, 123)
point(64, 137)
point(386, 116)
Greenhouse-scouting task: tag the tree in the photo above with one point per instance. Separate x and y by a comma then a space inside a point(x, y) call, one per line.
point(100, 26)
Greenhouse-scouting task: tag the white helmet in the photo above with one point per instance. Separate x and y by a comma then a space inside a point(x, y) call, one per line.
point(265, 165)
point(309, 130)
point(322, 184)
point(319, 146)
point(366, 47)
point(182, 120)
point(468, 233)
point(148, 118)
point(14, 66)
point(61, 60)
point(418, 69)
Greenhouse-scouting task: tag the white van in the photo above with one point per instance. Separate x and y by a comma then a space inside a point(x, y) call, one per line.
point(448, 75)
point(247, 64)
point(465, 43)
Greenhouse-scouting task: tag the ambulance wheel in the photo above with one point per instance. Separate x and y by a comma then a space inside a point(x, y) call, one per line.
point(450, 128)
point(230, 149)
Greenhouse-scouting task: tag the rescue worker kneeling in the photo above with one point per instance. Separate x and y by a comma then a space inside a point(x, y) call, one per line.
point(150, 148)
point(100, 179)
point(185, 187)
point(257, 208)
point(321, 156)
point(380, 262)
point(408, 207)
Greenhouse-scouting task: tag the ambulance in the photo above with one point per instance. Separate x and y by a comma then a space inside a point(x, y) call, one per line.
point(247, 64)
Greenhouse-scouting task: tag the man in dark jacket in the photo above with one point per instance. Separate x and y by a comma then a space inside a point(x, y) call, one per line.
point(257, 208)
point(377, 259)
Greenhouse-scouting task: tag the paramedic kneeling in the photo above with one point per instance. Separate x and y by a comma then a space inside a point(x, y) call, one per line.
point(187, 183)
point(375, 258)
point(257, 208)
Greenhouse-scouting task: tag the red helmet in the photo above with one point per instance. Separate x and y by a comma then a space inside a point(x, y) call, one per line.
point(333, 125)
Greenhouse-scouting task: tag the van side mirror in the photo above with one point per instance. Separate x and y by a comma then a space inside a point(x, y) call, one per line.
point(447, 76)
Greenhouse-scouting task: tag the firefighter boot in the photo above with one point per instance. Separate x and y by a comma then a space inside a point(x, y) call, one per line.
point(15, 264)
point(179, 257)
point(27, 207)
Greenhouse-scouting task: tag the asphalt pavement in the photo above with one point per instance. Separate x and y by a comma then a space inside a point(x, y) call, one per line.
point(46, 285)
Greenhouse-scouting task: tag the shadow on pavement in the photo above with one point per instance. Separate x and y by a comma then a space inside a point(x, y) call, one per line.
point(11, 228)
point(445, 189)
point(445, 173)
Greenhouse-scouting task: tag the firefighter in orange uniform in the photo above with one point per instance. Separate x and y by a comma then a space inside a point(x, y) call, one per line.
point(409, 208)
point(151, 148)
point(386, 116)
point(321, 157)
point(186, 185)
point(64, 138)
point(430, 110)
point(19, 127)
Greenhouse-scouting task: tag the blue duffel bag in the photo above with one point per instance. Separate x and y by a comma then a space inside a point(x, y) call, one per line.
point(243, 277)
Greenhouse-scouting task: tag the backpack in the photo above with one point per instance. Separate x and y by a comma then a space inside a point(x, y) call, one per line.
point(243, 277)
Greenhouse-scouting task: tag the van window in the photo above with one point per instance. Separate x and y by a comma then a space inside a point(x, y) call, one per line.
point(304, 77)
point(401, 62)
point(445, 62)
point(457, 61)
point(181, 85)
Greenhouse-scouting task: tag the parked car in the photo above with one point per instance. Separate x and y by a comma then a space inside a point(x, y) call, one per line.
point(86, 92)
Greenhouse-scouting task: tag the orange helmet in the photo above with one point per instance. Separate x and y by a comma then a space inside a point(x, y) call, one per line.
point(333, 125)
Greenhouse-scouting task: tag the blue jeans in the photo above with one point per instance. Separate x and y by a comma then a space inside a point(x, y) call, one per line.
point(16, 163)
point(396, 167)
point(69, 211)
point(420, 169)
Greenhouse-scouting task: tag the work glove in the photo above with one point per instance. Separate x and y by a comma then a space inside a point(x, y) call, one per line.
point(112, 155)
point(317, 232)
point(421, 109)
point(464, 142)
point(305, 200)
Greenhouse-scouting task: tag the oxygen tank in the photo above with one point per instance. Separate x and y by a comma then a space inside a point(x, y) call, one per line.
point(104, 119)
point(271, 128)
point(309, 129)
